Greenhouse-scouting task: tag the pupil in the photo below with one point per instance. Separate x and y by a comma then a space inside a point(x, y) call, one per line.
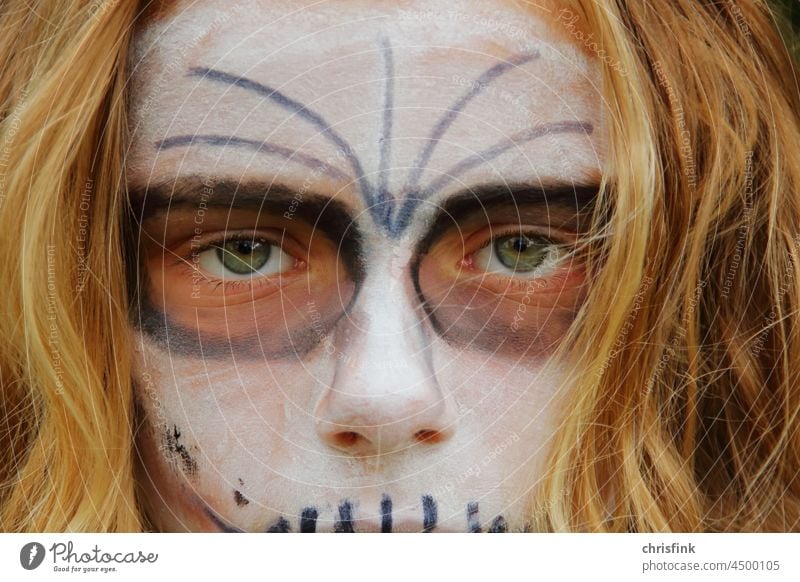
point(245, 247)
point(244, 256)
point(521, 253)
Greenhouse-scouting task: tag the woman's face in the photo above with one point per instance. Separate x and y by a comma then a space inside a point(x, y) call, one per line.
point(354, 236)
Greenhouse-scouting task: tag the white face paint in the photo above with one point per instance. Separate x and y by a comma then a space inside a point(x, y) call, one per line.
point(380, 362)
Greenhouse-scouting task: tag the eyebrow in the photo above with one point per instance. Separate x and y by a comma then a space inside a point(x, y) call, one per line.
point(577, 199)
point(192, 193)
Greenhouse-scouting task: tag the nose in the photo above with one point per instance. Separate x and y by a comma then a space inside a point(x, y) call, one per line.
point(384, 396)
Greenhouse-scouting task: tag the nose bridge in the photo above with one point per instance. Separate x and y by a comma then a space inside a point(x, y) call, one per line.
point(384, 395)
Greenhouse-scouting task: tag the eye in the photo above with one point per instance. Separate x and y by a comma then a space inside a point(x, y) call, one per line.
point(244, 258)
point(520, 255)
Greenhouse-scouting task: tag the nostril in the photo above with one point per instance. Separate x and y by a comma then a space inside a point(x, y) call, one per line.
point(429, 436)
point(346, 438)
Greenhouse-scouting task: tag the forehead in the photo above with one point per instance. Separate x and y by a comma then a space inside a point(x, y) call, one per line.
point(377, 82)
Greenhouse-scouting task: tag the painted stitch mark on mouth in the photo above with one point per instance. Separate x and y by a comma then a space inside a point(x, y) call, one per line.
point(473, 523)
point(499, 525)
point(386, 514)
point(308, 520)
point(344, 524)
point(430, 513)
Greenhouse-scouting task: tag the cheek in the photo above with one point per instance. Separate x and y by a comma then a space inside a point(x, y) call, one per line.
point(205, 419)
point(513, 319)
point(286, 320)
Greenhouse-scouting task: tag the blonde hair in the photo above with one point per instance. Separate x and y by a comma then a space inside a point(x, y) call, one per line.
point(685, 414)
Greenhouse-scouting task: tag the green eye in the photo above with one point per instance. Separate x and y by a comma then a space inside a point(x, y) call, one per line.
point(521, 253)
point(244, 256)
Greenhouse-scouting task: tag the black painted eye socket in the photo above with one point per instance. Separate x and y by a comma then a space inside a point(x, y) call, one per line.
point(244, 256)
point(521, 253)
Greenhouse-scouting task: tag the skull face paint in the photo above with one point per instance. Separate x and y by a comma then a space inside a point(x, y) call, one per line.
point(352, 231)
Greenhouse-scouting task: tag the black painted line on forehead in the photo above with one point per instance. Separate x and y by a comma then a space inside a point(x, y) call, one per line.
point(454, 111)
point(311, 162)
point(410, 205)
point(294, 106)
point(385, 140)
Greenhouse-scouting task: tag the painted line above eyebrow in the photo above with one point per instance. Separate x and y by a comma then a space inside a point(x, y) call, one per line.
point(410, 205)
point(311, 162)
point(298, 108)
point(453, 112)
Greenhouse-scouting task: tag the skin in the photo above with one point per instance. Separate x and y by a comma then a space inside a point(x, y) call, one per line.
point(387, 376)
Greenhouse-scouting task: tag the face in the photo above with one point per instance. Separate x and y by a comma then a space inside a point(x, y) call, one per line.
point(355, 228)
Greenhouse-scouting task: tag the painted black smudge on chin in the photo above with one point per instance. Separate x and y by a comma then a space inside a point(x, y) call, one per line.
point(177, 450)
point(280, 526)
point(223, 526)
point(240, 499)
